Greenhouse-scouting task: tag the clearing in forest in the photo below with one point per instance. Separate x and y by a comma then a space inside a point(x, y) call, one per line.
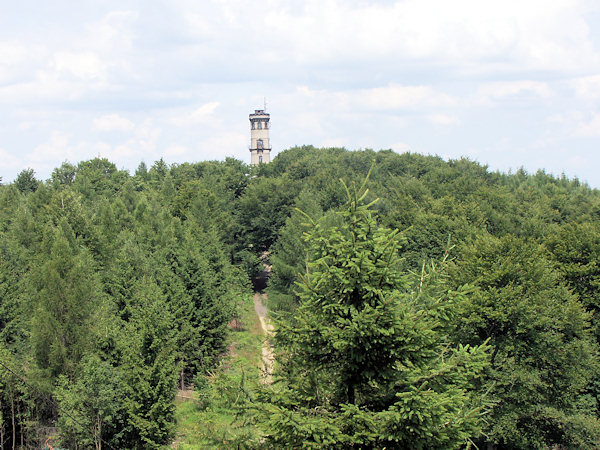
point(213, 417)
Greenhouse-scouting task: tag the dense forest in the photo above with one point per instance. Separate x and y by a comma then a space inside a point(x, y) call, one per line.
point(417, 302)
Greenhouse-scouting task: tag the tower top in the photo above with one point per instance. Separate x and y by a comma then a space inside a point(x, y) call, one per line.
point(259, 112)
point(260, 145)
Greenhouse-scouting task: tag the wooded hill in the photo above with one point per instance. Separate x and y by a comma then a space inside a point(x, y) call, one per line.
point(460, 307)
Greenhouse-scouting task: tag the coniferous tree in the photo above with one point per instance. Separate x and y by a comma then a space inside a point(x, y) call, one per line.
point(65, 295)
point(288, 256)
point(91, 408)
point(149, 369)
point(360, 362)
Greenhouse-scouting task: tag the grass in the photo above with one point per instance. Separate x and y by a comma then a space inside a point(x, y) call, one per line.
point(214, 417)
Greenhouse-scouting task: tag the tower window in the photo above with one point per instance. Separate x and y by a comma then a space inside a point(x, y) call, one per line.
point(259, 143)
point(260, 159)
point(260, 125)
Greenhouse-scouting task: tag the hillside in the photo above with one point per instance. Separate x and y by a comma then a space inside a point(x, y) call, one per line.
point(118, 288)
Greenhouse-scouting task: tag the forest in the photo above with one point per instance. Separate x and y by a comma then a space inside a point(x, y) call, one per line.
point(417, 303)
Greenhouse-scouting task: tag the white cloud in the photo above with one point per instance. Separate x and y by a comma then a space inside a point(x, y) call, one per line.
point(310, 123)
point(546, 141)
point(17, 61)
point(494, 92)
point(218, 145)
point(113, 122)
point(56, 148)
point(24, 126)
point(370, 73)
point(566, 118)
point(13, 52)
point(9, 161)
point(176, 151)
point(113, 33)
point(86, 66)
point(574, 123)
point(222, 144)
point(396, 96)
point(196, 117)
point(70, 65)
point(587, 88)
point(143, 145)
point(384, 98)
point(578, 161)
point(589, 128)
point(400, 147)
point(334, 142)
point(535, 34)
point(146, 138)
point(443, 119)
point(61, 146)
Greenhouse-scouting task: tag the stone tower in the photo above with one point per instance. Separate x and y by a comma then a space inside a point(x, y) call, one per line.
point(260, 146)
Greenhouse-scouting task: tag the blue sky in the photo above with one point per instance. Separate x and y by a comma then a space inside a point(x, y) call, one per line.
point(510, 84)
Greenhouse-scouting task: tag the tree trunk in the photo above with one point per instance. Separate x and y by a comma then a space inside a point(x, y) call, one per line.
point(1, 427)
point(351, 394)
point(2, 435)
point(14, 427)
point(182, 378)
point(21, 425)
point(98, 433)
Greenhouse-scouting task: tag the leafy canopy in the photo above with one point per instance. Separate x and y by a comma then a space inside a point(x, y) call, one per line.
point(361, 362)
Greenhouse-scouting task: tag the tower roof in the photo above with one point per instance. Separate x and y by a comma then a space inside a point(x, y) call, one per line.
point(259, 112)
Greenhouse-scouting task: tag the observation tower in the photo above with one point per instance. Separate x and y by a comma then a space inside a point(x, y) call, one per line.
point(260, 146)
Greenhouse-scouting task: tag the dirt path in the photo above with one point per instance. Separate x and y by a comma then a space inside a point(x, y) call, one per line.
point(267, 350)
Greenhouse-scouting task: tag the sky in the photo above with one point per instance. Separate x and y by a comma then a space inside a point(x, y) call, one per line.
point(510, 84)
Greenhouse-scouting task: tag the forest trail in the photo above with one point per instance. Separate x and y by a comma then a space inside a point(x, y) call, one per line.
point(268, 356)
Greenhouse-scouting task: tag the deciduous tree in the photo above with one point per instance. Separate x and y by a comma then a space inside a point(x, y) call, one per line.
point(543, 354)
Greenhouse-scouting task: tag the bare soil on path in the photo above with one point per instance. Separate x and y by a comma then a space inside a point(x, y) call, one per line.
point(268, 356)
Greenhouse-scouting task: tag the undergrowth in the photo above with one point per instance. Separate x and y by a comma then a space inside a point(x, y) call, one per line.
point(214, 417)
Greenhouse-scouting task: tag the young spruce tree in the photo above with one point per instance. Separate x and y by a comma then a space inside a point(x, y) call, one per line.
point(361, 363)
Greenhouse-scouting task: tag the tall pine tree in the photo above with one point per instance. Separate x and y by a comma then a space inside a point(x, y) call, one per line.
point(361, 363)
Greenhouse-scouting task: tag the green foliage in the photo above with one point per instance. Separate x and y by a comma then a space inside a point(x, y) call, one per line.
point(142, 171)
point(542, 350)
point(214, 415)
point(12, 315)
point(361, 364)
point(64, 175)
point(26, 182)
point(65, 295)
point(12, 399)
point(90, 409)
point(149, 370)
point(98, 177)
point(206, 278)
point(576, 249)
point(78, 251)
point(288, 255)
point(249, 262)
point(264, 208)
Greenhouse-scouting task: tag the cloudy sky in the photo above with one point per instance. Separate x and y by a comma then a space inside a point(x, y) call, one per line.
point(512, 83)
